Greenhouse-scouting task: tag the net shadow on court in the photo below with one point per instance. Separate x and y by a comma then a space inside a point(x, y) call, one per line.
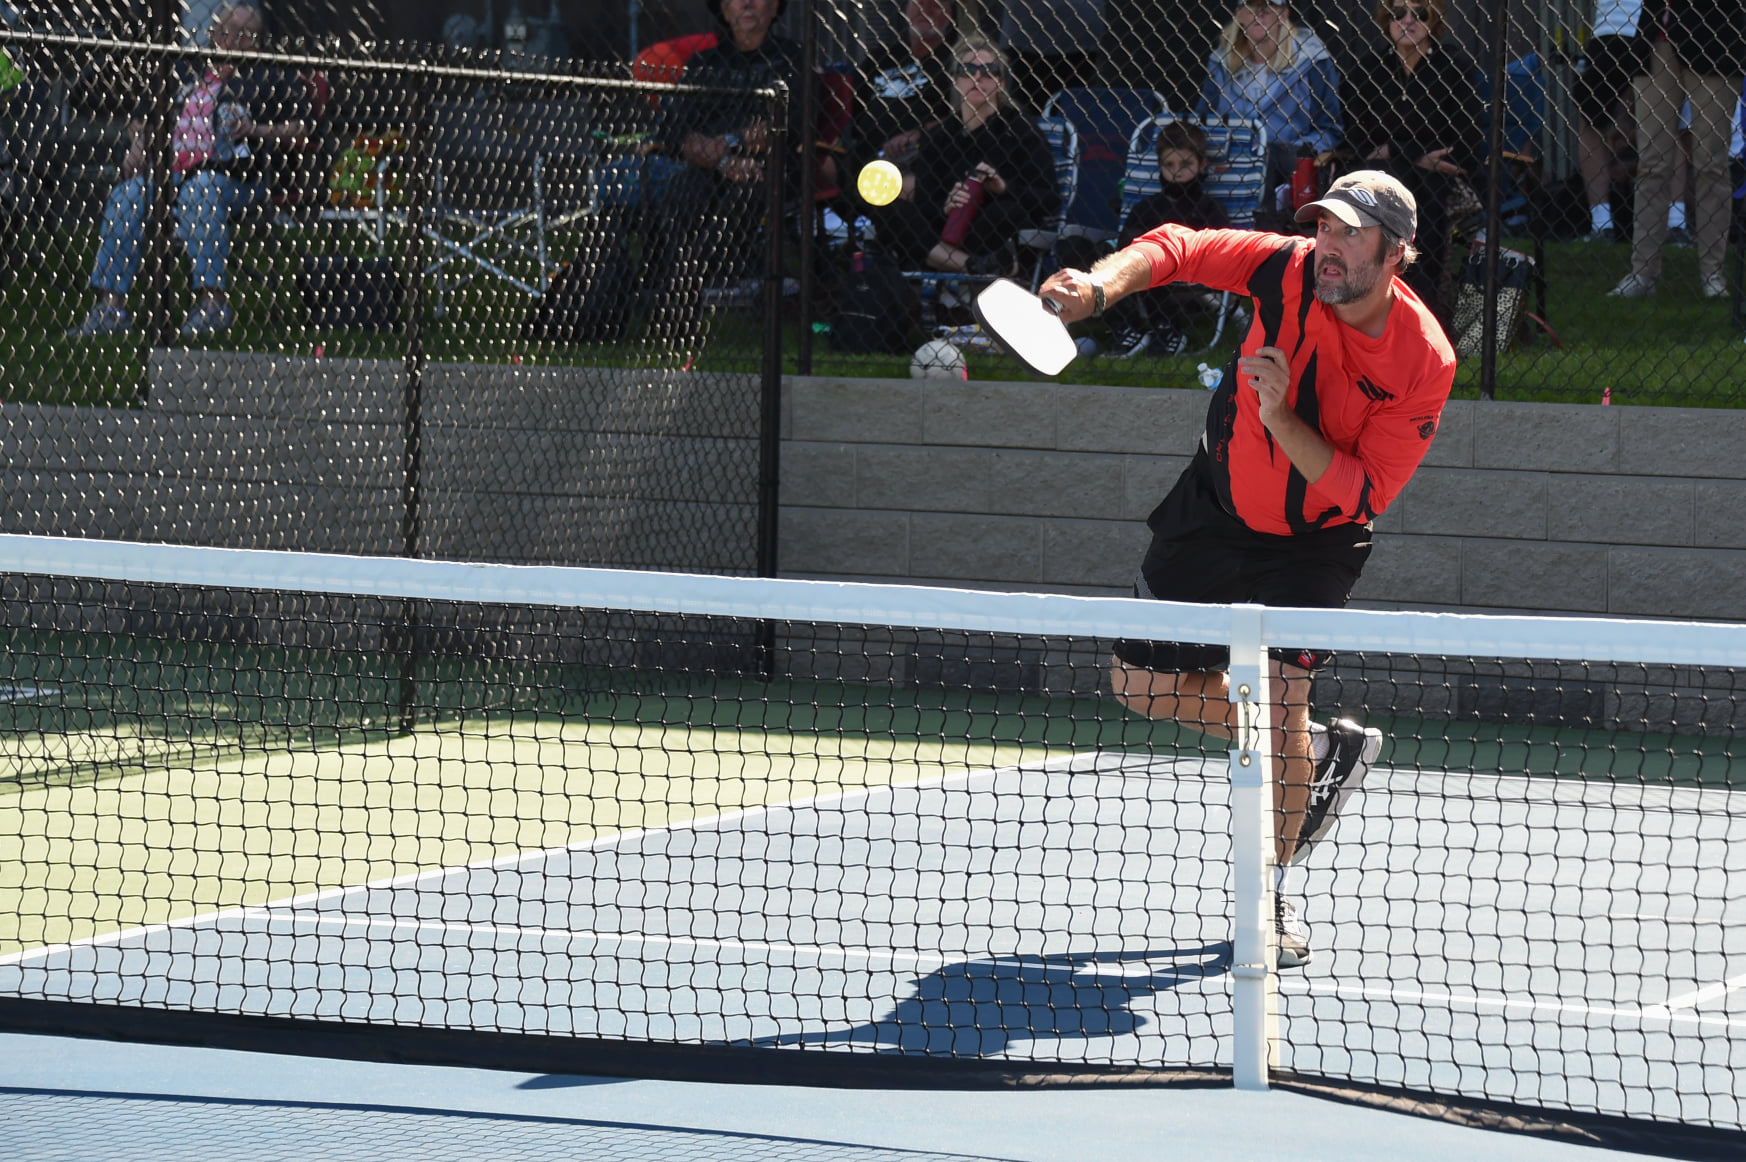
point(96, 1127)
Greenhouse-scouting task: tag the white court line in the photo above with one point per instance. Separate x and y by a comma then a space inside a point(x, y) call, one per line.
point(892, 957)
point(504, 862)
point(1505, 1004)
point(1697, 997)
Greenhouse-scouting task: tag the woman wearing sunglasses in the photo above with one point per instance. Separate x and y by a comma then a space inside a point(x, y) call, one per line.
point(1412, 110)
point(975, 180)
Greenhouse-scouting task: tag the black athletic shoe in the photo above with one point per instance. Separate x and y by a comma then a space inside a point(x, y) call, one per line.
point(1294, 945)
point(1167, 340)
point(1128, 342)
point(1350, 749)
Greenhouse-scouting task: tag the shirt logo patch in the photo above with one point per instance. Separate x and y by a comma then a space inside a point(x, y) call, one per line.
point(901, 83)
point(1372, 391)
point(1426, 429)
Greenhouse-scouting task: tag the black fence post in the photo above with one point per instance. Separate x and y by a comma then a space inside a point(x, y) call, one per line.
point(160, 324)
point(770, 396)
point(412, 400)
point(807, 130)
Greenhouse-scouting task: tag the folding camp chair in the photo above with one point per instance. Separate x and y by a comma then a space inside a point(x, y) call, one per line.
point(507, 172)
point(1063, 138)
point(1104, 119)
point(1235, 177)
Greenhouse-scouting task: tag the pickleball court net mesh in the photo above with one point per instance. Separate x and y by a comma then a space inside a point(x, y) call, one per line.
point(802, 819)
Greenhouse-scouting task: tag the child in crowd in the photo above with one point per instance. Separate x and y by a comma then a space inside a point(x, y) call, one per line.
point(1150, 322)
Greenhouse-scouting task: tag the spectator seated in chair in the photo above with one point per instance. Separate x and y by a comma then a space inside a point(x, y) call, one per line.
point(1150, 322)
point(989, 163)
point(1267, 69)
point(907, 89)
point(1413, 112)
point(708, 228)
point(229, 118)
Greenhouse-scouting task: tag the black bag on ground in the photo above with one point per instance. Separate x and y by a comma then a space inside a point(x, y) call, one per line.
point(878, 309)
point(589, 300)
point(341, 291)
point(1515, 272)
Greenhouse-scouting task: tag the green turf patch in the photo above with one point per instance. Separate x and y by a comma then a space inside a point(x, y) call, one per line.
point(1651, 759)
point(1673, 349)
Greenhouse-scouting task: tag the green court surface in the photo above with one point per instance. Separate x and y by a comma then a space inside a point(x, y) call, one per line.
point(144, 781)
point(147, 781)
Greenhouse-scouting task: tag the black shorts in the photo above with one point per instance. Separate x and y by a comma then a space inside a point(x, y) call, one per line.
point(1202, 553)
point(1603, 77)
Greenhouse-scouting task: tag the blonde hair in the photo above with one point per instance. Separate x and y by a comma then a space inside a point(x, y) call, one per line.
point(1235, 46)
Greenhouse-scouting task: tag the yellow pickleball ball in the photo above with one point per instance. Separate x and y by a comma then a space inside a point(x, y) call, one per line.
point(880, 183)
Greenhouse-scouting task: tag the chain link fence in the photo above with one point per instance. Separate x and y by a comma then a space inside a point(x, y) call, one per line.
point(1135, 103)
point(478, 299)
point(419, 301)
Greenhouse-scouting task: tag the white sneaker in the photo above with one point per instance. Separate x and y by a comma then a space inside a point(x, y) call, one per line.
point(1715, 286)
point(100, 322)
point(1632, 287)
point(1294, 945)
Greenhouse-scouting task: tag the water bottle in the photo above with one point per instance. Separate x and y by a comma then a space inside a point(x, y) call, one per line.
point(1210, 377)
point(1303, 183)
point(958, 222)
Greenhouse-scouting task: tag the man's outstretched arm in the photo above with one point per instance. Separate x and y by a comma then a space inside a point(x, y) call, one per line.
point(1120, 274)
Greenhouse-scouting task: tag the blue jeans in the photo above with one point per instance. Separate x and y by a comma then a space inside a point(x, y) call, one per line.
point(204, 202)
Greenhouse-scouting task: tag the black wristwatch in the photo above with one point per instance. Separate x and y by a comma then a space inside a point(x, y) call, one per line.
point(1099, 302)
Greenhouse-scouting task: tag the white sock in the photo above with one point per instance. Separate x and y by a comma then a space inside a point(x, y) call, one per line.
point(1278, 877)
point(1676, 216)
point(1601, 217)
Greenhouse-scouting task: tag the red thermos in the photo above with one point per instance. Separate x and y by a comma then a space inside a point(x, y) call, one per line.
point(958, 222)
point(1303, 183)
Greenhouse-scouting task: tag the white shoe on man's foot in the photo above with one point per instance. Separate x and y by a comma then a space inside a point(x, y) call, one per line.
point(1633, 286)
point(1294, 945)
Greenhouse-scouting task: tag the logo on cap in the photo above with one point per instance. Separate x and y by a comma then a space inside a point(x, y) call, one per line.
point(1360, 194)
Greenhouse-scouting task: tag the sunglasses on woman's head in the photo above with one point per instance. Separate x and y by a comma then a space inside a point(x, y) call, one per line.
point(975, 69)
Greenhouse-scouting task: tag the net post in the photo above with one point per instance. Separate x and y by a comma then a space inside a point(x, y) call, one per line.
point(1255, 1009)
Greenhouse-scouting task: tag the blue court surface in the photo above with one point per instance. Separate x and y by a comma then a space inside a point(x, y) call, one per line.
point(1080, 907)
point(97, 1101)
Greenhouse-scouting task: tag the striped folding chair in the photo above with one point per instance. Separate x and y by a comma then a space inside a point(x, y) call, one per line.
point(1235, 177)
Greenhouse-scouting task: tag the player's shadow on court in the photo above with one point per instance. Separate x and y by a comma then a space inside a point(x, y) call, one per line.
point(979, 1007)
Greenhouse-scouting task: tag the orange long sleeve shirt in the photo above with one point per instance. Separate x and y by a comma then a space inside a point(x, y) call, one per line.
point(1377, 401)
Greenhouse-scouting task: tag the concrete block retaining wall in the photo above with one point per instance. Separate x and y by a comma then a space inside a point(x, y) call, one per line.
point(531, 464)
point(1554, 508)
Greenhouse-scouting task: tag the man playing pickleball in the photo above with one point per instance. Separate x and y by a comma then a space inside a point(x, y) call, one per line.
point(1331, 404)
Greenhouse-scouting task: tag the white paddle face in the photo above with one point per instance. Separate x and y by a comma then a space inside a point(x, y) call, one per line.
point(1029, 330)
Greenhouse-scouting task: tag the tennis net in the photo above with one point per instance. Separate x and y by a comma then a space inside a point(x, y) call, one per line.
point(605, 821)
